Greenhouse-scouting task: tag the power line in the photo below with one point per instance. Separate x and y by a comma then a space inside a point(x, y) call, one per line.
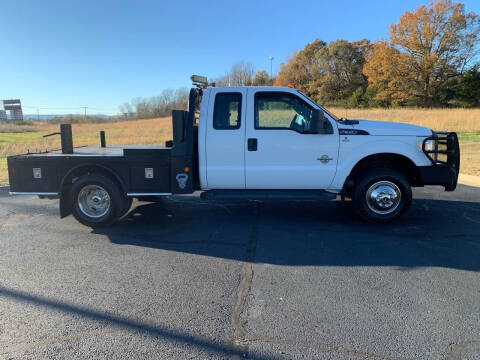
point(68, 108)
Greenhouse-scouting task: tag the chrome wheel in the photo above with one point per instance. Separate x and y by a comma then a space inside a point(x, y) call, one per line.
point(94, 201)
point(383, 197)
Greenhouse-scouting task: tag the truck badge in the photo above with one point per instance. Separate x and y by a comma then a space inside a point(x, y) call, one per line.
point(182, 179)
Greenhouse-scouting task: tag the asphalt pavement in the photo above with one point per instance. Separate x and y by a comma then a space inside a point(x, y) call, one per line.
point(186, 278)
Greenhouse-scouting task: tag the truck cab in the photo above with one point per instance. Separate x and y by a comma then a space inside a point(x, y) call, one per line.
point(261, 138)
point(247, 143)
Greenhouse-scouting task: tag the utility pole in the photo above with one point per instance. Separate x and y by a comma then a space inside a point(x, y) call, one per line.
point(85, 113)
point(271, 66)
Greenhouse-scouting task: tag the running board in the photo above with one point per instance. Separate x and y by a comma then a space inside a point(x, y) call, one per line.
point(267, 195)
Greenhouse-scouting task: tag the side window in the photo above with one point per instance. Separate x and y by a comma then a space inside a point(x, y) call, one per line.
point(277, 110)
point(227, 111)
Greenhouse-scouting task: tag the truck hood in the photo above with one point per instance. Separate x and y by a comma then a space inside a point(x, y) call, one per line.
point(391, 128)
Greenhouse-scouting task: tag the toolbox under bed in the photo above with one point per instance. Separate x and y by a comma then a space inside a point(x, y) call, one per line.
point(143, 169)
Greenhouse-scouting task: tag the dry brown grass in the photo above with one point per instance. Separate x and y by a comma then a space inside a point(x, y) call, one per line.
point(151, 131)
point(12, 128)
point(470, 158)
point(3, 171)
point(459, 120)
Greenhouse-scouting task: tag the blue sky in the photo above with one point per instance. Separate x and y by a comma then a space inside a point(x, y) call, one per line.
point(65, 54)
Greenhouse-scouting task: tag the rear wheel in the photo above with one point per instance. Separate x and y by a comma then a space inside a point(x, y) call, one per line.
point(382, 195)
point(127, 204)
point(97, 201)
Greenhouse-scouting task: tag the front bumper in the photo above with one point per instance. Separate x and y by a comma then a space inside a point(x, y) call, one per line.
point(445, 159)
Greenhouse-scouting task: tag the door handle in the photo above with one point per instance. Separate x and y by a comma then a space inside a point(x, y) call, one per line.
point(252, 144)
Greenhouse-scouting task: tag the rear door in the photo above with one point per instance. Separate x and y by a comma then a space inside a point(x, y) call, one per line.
point(225, 139)
point(280, 154)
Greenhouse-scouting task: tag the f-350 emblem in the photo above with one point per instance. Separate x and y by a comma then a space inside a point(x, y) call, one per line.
point(324, 159)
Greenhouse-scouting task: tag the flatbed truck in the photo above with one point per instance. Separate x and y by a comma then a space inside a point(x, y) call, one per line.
point(246, 143)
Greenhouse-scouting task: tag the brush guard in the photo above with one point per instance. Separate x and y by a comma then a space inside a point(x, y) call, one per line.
point(445, 158)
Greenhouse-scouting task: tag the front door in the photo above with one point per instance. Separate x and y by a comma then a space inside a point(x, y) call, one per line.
point(280, 153)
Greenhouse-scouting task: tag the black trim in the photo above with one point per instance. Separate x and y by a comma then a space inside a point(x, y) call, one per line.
point(252, 144)
point(267, 194)
point(348, 122)
point(445, 144)
point(239, 123)
point(352, 132)
point(438, 175)
point(288, 129)
point(275, 93)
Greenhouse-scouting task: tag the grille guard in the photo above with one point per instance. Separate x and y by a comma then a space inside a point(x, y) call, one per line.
point(448, 141)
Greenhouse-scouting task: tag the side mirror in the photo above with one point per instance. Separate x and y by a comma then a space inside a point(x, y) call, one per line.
point(319, 124)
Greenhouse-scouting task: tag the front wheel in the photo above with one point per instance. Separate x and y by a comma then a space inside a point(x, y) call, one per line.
point(382, 195)
point(97, 201)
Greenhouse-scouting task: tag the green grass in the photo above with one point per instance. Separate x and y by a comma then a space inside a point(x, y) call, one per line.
point(469, 136)
point(26, 137)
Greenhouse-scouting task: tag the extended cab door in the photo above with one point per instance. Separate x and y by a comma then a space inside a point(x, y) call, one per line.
point(280, 154)
point(225, 139)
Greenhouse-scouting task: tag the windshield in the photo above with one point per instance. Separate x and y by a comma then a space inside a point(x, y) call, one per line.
point(321, 107)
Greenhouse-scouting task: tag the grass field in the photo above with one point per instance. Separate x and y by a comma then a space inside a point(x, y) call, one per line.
point(21, 139)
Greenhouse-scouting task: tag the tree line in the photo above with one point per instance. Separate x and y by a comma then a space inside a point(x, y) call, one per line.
point(427, 60)
point(155, 106)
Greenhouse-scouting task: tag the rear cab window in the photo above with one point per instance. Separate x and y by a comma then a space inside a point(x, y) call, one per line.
point(227, 111)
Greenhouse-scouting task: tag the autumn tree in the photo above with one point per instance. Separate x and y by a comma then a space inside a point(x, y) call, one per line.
point(338, 72)
point(328, 73)
point(300, 68)
point(387, 75)
point(427, 49)
point(261, 79)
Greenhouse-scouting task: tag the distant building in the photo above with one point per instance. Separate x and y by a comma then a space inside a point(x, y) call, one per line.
point(3, 115)
point(15, 108)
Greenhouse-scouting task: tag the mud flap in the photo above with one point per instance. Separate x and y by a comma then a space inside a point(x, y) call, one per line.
point(66, 203)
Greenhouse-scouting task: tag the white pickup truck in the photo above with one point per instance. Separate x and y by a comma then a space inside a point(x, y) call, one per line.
point(246, 143)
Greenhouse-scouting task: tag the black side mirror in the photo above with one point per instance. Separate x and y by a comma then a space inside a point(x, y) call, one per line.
point(319, 124)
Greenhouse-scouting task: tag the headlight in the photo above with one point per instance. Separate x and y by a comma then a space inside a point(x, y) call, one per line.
point(429, 144)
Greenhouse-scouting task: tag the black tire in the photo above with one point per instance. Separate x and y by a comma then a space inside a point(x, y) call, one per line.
point(382, 195)
point(82, 191)
point(127, 204)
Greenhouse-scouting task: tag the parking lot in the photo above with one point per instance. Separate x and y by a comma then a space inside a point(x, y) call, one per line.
point(185, 278)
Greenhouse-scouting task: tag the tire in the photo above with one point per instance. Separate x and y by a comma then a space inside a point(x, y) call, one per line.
point(127, 204)
point(382, 195)
point(97, 201)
